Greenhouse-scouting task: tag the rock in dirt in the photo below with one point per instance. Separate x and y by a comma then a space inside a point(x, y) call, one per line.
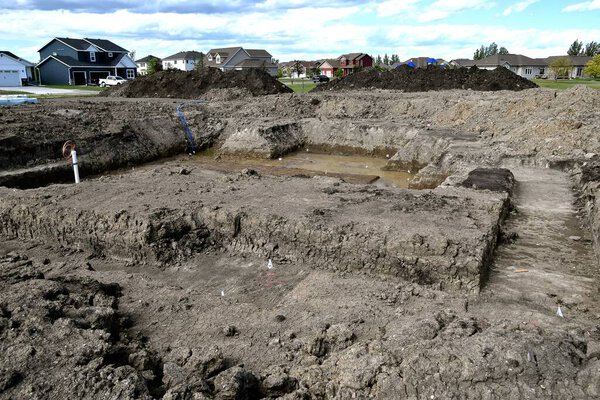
point(431, 78)
point(193, 84)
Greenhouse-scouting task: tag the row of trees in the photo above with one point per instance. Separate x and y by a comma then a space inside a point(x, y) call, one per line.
point(387, 60)
point(486, 51)
point(577, 48)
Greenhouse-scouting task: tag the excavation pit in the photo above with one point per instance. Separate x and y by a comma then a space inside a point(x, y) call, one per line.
point(441, 237)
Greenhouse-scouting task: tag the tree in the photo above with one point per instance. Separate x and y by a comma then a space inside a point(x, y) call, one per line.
point(592, 49)
point(279, 73)
point(561, 67)
point(154, 66)
point(378, 60)
point(592, 68)
point(386, 59)
point(486, 51)
point(395, 59)
point(297, 68)
point(339, 72)
point(576, 48)
point(315, 71)
point(199, 62)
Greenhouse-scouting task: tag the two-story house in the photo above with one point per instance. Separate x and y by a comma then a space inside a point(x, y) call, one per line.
point(347, 63)
point(14, 70)
point(184, 60)
point(238, 58)
point(67, 61)
point(142, 64)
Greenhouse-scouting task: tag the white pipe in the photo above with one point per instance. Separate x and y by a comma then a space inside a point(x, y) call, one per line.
point(75, 166)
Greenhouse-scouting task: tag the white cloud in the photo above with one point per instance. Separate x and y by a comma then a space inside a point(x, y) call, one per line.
point(518, 7)
point(392, 8)
point(584, 6)
point(441, 9)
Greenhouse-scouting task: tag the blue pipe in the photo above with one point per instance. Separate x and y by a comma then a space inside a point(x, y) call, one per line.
point(190, 138)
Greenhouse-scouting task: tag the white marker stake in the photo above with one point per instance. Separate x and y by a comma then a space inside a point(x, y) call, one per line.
point(75, 166)
point(270, 264)
point(559, 312)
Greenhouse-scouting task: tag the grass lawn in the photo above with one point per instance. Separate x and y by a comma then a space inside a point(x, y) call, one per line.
point(302, 87)
point(5, 92)
point(567, 83)
point(96, 88)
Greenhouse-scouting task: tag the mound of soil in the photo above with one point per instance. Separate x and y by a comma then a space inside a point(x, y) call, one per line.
point(431, 78)
point(193, 84)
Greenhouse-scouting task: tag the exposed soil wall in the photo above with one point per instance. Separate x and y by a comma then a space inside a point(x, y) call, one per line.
point(323, 228)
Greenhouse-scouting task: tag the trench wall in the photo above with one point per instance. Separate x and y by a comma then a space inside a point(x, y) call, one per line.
point(350, 240)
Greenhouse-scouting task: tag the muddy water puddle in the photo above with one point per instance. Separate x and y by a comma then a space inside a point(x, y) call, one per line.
point(353, 169)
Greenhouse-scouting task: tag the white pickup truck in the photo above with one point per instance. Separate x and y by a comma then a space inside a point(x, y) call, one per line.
point(111, 81)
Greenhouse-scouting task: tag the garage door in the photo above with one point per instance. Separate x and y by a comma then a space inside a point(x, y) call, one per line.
point(10, 78)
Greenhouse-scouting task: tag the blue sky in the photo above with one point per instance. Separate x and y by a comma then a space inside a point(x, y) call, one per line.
point(300, 29)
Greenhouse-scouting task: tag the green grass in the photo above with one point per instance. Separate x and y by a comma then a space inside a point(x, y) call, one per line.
point(566, 83)
point(5, 92)
point(302, 88)
point(95, 88)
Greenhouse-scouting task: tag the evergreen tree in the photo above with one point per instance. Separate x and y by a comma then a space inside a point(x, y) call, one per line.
point(386, 59)
point(503, 50)
point(576, 48)
point(592, 49)
point(378, 61)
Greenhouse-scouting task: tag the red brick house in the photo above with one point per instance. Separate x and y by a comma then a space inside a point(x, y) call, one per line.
point(347, 62)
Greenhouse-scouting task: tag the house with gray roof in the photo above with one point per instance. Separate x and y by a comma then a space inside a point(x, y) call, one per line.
point(14, 70)
point(68, 61)
point(519, 64)
point(142, 64)
point(238, 58)
point(525, 66)
point(578, 64)
point(183, 61)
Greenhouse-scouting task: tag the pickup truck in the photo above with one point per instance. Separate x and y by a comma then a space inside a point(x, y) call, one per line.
point(111, 81)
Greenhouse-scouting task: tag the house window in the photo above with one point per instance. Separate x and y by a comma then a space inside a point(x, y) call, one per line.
point(92, 56)
point(542, 70)
point(209, 57)
point(130, 74)
point(528, 71)
point(110, 54)
point(218, 59)
point(579, 71)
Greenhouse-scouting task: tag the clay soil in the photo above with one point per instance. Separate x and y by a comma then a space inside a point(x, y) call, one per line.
point(180, 279)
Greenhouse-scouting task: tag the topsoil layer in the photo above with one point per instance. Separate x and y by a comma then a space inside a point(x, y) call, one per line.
point(431, 78)
point(191, 85)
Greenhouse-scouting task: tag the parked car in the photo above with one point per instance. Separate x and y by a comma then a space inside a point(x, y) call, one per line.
point(111, 81)
point(320, 78)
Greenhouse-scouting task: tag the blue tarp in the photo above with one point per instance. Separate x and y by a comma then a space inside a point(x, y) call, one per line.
point(431, 61)
point(411, 64)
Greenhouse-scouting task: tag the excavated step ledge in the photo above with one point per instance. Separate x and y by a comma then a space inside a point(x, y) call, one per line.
point(443, 237)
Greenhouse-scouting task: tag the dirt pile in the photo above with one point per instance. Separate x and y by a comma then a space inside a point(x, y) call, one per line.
point(431, 78)
point(193, 84)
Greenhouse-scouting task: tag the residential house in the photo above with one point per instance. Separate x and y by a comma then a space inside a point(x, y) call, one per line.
point(347, 63)
point(578, 65)
point(519, 64)
point(329, 67)
point(422, 62)
point(184, 60)
point(238, 58)
point(306, 68)
point(14, 71)
point(67, 61)
point(142, 64)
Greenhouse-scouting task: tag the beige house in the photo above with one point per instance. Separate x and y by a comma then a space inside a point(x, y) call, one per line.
point(238, 58)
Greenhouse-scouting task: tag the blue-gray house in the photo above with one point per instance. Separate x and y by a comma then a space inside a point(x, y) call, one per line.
point(66, 61)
